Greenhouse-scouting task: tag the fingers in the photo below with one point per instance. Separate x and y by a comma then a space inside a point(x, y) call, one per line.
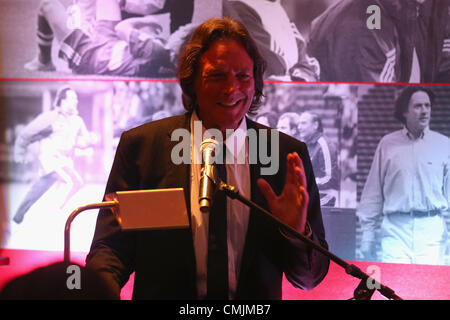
point(296, 171)
point(296, 184)
point(266, 190)
point(304, 195)
point(296, 177)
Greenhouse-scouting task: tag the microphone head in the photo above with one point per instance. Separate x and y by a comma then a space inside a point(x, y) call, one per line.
point(208, 150)
point(209, 143)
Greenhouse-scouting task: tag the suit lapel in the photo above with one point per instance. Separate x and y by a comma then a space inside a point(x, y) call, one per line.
point(253, 226)
point(179, 176)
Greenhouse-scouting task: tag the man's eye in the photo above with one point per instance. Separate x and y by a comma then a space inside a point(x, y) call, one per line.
point(215, 76)
point(243, 76)
point(420, 106)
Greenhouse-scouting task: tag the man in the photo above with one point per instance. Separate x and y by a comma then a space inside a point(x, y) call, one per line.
point(110, 46)
point(407, 46)
point(287, 123)
point(323, 157)
point(221, 75)
point(407, 189)
point(281, 43)
point(59, 132)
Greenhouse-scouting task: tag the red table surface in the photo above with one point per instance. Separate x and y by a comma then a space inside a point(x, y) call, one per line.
point(410, 282)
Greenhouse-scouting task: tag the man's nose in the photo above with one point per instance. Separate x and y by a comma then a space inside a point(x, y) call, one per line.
point(231, 85)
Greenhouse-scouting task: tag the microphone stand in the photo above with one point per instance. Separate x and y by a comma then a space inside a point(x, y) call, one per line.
point(101, 205)
point(362, 292)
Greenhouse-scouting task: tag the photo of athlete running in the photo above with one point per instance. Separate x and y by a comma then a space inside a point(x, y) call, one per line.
point(59, 132)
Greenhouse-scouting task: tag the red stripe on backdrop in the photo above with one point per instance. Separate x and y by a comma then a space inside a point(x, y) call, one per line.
point(134, 79)
point(410, 282)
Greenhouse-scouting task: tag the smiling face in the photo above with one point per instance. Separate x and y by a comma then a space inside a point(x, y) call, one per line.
point(224, 85)
point(418, 114)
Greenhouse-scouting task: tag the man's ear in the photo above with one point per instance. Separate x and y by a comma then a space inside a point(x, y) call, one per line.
point(316, 126)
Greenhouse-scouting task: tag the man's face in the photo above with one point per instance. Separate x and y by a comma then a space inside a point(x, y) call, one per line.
point(284, 125)
point(419, 112)
point(306, 126)
point(224, 85)
point(70, 103)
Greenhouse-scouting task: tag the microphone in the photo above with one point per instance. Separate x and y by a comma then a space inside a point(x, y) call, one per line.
point(208, 175)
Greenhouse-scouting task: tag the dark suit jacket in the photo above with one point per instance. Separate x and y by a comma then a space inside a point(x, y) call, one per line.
point(164, 260)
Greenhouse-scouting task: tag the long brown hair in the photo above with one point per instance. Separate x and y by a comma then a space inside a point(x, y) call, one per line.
point(202, 38)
